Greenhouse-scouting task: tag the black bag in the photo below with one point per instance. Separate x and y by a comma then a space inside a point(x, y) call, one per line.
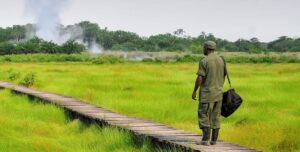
point(231, 100)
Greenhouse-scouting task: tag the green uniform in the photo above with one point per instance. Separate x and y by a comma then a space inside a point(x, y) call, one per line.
point(211, 91)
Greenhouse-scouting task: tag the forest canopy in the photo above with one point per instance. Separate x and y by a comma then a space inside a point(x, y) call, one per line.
point(15, 40)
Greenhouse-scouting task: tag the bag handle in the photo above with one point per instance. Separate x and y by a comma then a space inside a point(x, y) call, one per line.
point(226, 71)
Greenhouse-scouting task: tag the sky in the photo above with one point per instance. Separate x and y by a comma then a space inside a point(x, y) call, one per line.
point(227, 19)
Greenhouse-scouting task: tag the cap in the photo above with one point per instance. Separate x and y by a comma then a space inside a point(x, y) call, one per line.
point(210, 45)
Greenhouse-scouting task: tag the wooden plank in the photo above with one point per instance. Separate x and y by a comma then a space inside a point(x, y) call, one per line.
point(6, 85)
point(26, 90)
point(177, 134)
point(103, 115)
point(118, 119)
point(155, 128)
point(179, 138)
point(127, 125)
point(84, 108)
point(109, 117)
point(83, 111)
point(136, 123)
point(69, 103)
point(157, 131)
point(173, 132)
point(212, 148)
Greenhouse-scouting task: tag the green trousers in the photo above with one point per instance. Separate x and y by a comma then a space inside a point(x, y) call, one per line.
point(209, 114)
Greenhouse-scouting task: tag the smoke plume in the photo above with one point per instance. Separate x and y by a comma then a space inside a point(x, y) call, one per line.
point(46, 14)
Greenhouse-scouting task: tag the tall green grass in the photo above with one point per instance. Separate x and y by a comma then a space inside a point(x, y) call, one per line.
point(30, 126)
point(155, 57)
point(268, 119)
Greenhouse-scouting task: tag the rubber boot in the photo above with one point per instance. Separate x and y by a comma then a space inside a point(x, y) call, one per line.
point(205, 136)
point(214, 136)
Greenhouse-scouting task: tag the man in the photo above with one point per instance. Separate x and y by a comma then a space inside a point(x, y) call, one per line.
point(210, 79)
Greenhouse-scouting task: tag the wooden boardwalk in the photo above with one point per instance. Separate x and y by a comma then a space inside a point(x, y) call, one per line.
point(159, 133)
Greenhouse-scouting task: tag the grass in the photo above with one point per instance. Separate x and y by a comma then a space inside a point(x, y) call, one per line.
point(32, 126)
point(268, 120)
point(113, 57)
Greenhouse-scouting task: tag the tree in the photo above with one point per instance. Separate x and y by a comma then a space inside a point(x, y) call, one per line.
point(30, 46)
point(179, 32)
point(72, 46)
point(6, 48)
point(282, 44)
point(18, 32)
point(105, 39)
point(90, 31)
point(124, 40)
point(50, 47)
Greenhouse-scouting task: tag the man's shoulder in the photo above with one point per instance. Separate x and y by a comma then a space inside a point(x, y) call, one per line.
point(210, 58)
point(215, 57)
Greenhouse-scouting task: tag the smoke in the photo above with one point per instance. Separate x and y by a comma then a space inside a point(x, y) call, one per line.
point(71, 33)
point(95, 48)
point(46, 14)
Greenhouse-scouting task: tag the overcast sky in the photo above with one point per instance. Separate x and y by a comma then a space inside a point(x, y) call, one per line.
point(230, 19)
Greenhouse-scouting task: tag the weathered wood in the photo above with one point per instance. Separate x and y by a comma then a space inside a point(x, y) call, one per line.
point(156, 131)
point(127, 125)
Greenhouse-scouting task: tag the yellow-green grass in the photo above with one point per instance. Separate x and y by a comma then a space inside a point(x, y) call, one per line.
point(30, 126)
point(268, 120)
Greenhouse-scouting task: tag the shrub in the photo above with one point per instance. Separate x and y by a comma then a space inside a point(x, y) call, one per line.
point(30, 46)
point(28, 80)
point(188, 58)
point(14, 75)
point(50, 47)
point(72, 46)
point(157, 60)
point(6, 48)
point(147, 60)
point(99, 60)
point(107, 60)
point(7, 59)
point(46, 58)
point(196, 49)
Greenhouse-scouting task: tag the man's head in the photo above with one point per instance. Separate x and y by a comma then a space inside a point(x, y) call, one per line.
point(209, 46)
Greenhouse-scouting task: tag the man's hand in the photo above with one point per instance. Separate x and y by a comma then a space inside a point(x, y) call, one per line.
point(194, 95)
point(198, 82)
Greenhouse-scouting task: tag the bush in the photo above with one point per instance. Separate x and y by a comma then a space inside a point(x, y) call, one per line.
point(99, 60)
point(50, 47)
point(28, 80)
point(107, 60)
point(263, 59)
point(37, 45)
point(7, 59)
point(30, 46)
point(189, 58)
point(6, 48)
point(157, 60)
point(111, 59)
point(72, 46)
point(13, 75)
point(196, 49)
point(147, 60)
point(46, 58)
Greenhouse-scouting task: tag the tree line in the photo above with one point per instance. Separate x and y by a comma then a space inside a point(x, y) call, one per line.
point(37, 45)
point(13, 41)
